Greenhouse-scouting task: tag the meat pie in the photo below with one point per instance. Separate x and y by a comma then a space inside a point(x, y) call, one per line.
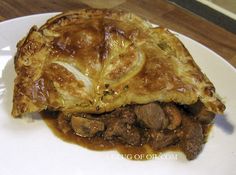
point(114, 76)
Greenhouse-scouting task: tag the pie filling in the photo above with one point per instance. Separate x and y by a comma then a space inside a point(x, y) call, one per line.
point(137, 128)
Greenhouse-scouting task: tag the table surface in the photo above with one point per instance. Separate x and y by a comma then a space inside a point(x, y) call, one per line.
point(160, 12)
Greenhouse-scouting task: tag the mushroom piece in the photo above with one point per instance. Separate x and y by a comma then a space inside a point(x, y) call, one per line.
point(86, 127)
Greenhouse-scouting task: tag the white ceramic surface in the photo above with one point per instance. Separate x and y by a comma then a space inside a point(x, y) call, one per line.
point(29, 147)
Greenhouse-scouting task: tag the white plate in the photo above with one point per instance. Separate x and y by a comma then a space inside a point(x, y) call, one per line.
point(29, 147)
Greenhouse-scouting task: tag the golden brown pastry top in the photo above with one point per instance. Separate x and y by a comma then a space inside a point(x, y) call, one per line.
point(97, 60)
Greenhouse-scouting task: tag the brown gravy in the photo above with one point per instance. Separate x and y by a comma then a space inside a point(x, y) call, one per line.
point(144, 152)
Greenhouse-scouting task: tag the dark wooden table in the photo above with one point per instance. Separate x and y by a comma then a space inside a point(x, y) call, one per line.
point(157, 11)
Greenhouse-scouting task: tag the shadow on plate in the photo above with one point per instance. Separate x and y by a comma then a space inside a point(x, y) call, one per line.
point(222, 122)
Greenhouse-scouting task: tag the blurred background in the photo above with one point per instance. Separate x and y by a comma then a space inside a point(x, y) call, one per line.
point(220, 12)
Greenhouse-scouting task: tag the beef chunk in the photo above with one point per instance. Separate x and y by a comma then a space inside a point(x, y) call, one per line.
point(160, 140)
point(174, 115)
point(205, 117)
point(120, 125)
point(151, 116)
point(123, 131)
point(192, 137)
point(126, 113)
point(86, 127)
point(201, 114)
